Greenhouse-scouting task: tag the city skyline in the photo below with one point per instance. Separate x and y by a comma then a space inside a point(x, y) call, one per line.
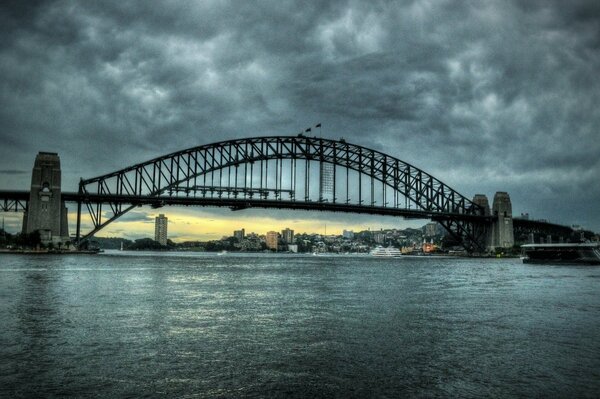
point(490, 97)
point(183, 228)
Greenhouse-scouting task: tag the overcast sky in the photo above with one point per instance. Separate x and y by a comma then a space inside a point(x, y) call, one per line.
point(485, 95)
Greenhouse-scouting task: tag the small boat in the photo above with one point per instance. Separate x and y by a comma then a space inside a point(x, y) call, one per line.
point(584, 253)
point(223, 252)
point(389, 252)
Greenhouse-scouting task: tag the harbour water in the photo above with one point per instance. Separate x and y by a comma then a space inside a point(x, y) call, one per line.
point(201, 325)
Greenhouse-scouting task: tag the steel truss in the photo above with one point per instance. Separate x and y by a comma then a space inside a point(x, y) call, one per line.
point(14, 201)
point(271, 171)
point(523, 227)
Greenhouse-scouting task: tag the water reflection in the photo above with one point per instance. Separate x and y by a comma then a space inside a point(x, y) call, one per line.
point(38, 323)
point(296, 326)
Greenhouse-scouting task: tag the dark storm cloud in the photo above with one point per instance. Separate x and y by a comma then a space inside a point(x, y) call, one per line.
point(486, 96)
point(136, 216)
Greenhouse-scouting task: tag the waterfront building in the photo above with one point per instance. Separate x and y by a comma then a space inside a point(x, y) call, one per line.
point(239, 234)
point(271, 240)
point(429, 247)
point(287, 236)
point(379, 237)
point(431, 229)
point(160, 229)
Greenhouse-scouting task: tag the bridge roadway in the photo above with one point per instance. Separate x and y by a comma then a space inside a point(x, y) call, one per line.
point(245, 203)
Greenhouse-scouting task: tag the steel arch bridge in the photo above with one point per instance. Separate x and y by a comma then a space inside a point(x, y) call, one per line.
point(284, 172)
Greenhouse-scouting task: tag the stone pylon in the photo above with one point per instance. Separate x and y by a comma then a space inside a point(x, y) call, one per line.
point(46, 211)
point(483, 230)
point(502, 227)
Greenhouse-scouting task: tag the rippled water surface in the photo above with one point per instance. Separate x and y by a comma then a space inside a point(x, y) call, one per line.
point(123, 325)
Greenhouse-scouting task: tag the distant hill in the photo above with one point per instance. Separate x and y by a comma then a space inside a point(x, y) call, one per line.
point(112, 242)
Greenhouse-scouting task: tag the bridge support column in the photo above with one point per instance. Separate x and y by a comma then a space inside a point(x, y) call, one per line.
point(502, 228)
point(483, 231)
point(78, 231)
point(47, 213)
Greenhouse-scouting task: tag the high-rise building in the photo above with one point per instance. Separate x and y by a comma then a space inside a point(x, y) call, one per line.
point(431, 229)
point(160, 229)
point(348, 234)
point(239, 234)
point(271, 240)
point(379, 237)
point(287, 235)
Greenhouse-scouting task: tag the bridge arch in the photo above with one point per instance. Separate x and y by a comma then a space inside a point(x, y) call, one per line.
point(266, 174)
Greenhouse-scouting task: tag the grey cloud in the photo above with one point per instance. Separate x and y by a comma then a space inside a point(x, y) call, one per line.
point(136, 216)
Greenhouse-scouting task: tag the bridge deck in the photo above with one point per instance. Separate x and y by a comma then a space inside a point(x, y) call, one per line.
point(244, 203)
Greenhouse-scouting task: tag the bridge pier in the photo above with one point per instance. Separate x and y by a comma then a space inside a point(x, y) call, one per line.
point(483, 230)
point(46, 212)
point(78, 233)
point(498, 234)
point(502, 234)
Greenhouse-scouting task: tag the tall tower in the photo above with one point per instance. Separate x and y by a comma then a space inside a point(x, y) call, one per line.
point(239, 234)
point(46, 212)
point(502, 227)
point(160, 229)
point(271, 240)
point(287, 236)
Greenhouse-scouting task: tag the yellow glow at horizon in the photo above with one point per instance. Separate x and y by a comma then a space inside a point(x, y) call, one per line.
point(193, 224)
point(203, 225)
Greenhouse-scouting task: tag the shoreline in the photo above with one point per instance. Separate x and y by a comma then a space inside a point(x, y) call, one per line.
point(47, 252)
point(101, 251)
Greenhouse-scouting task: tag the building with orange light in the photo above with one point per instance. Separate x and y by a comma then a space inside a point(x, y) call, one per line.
point(429, 247)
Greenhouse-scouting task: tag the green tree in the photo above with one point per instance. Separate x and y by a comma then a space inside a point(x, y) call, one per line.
point(29, 240)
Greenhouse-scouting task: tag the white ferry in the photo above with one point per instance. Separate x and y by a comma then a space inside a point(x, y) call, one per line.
point(389, 252)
